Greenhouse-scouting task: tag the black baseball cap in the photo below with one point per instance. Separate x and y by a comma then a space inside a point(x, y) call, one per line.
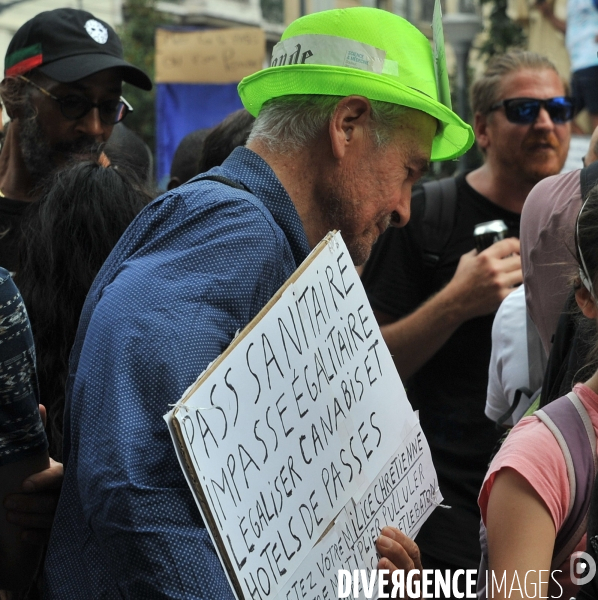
point(67, 45)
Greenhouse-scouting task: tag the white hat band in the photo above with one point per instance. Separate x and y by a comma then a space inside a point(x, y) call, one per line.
point(330, 50)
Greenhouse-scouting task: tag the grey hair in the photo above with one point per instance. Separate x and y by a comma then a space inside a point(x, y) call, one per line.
point(289, 123)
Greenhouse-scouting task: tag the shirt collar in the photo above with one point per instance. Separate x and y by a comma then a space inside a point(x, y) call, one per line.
point(257, 176)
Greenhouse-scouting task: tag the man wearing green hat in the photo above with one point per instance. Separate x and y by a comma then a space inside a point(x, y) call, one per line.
point(347, 121)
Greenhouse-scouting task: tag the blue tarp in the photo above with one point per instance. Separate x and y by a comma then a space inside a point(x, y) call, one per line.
point(182, 108)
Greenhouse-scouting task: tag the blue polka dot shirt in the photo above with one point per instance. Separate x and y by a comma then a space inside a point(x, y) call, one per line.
point(195, 266)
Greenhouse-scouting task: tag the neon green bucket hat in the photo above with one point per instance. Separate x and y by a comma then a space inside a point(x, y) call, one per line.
point(359, 51)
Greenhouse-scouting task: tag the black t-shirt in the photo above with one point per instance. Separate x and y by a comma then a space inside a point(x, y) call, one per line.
point(11, 213)
point(450, 389)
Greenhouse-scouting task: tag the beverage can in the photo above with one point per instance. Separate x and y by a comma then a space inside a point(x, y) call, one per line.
point(486, 234)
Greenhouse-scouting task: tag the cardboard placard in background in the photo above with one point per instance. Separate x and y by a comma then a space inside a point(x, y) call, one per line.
point(212, 56)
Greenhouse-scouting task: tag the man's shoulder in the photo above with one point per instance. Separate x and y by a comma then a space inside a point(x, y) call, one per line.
point(554, 199)
point(204, 212)
point(560, 183)
point(208, 196)
point(208, 263)
point(196, 237)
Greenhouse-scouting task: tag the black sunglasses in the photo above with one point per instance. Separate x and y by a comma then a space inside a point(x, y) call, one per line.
point(75, 107)
point(524, 111)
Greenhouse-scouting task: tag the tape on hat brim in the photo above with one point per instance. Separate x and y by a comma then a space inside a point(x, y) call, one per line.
point(453, 137)
point(74, 68)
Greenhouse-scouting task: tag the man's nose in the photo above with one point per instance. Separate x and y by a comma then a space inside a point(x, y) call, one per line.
point(402, 212)
point(543, 121)
point(91, 125)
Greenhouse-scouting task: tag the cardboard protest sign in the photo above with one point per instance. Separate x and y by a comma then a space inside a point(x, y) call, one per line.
point(302, 428)
point(212, 56)
point(402, 495)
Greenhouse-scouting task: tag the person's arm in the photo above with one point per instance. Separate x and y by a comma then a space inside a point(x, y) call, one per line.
point(24, 463)
point(19, 558)
point(547, 10)
point(31, 503)
point(521, 533)
point(479, 285)
point(497, 403)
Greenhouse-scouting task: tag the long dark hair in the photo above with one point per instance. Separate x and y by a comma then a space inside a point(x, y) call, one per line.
point(67, 235)
point(224, 138)
point(586, 238)
point(586, 256)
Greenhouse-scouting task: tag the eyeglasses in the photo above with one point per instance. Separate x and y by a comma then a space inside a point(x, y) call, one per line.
point(75, 107)
point(524, 111)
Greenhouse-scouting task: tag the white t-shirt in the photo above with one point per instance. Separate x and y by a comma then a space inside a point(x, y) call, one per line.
point(582, 27)
point(509, 369)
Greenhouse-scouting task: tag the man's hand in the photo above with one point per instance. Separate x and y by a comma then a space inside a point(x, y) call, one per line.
point(398, 551)
point(482, 281)
point(34, 508)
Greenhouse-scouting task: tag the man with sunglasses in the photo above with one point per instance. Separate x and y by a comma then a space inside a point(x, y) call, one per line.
point(62, 89)
point(437, 316)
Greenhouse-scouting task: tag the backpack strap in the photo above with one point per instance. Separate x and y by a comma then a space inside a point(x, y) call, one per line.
point(570, 424)
point(588, 177)
point(536, 355)
point(522, 391)
point(438, 222)
point(562, 366)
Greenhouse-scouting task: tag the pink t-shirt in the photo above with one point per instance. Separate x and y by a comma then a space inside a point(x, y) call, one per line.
point(545, 471)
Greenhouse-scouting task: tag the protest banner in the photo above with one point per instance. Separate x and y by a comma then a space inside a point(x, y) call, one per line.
point(211, 56)
point(302, 428)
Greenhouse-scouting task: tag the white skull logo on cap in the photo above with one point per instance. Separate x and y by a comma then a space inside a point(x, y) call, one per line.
point(97, 31)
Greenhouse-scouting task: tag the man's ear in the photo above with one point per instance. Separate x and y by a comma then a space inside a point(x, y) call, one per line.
point(349, 124)
point(13, 89)
point(480, 128)
point(586, 303)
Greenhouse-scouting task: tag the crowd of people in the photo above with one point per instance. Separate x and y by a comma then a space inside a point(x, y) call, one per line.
point(114, 298)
